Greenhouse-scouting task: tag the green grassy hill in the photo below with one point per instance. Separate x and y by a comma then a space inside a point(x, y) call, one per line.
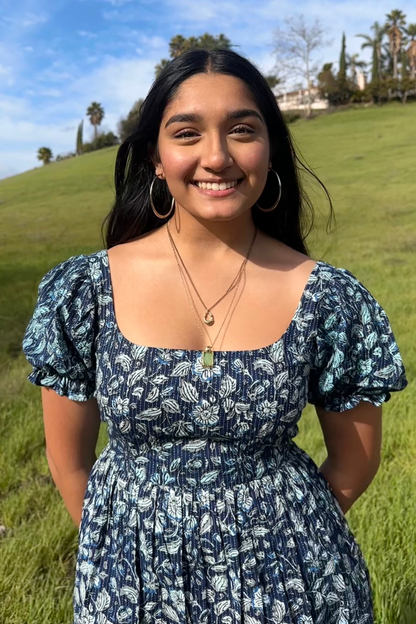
point(367, 160)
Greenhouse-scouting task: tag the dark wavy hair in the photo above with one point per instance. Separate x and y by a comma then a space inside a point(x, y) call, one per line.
point(131, 215)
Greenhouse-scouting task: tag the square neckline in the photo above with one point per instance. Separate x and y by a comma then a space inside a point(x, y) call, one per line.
point(192, 352)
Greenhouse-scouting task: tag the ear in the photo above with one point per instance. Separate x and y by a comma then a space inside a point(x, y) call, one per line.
point(159, 171)
point(155, 158)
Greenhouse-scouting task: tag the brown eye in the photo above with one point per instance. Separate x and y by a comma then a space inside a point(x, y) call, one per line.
point(243, 130)
point(185, 134)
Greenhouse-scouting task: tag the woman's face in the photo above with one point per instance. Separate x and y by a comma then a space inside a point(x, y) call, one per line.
point(214, 133)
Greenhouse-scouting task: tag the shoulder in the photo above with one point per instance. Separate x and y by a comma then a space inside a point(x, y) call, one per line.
point(343, 291)
point(78, 268)
point(347, 311)
point(70, 287)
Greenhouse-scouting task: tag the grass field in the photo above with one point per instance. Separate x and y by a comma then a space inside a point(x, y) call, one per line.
point(367, 159)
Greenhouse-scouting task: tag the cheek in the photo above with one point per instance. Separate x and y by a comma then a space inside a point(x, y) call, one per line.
point(253, 158)
point(177, 164)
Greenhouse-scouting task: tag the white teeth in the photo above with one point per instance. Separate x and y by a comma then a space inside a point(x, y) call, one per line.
point(215, 186)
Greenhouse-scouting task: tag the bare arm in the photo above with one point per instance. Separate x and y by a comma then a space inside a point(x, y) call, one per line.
point(353, 442)
point(71, 433)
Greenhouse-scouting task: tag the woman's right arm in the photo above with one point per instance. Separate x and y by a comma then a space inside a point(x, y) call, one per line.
point(71, 433)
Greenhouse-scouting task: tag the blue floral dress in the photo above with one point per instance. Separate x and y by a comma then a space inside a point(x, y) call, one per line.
point(202, 509)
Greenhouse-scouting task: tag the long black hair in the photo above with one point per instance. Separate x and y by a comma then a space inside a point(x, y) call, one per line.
point(131, 215)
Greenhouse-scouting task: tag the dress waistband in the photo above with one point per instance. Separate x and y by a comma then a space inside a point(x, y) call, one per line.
point(194, 464)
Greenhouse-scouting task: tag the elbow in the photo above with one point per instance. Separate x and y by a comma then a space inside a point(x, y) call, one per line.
point(52, 468)
point(355, 475)
point(365, 476)
point(50, 461)
point(65, 465)
point(373, 467)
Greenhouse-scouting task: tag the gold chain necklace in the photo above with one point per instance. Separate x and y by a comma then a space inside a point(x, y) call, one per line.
point(207, 355)
point(209, 318)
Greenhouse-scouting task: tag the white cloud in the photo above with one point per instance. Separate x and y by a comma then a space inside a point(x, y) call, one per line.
point(50, 93)
point(31, 19)
point(16, 161)
point(86, 34)
point(16, 106)
point(22, 139)
point(117, 3)
point(117, 84)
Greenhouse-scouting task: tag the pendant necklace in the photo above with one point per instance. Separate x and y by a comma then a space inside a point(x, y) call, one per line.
point(208, 317)
point(207, 355)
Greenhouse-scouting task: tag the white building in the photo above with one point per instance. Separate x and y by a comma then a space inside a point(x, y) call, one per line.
point(361, 80)
point(298, 100)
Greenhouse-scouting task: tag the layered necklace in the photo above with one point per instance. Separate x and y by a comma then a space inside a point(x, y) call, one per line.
point(207, 355)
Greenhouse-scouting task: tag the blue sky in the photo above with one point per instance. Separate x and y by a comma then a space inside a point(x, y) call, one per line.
point(57, 56)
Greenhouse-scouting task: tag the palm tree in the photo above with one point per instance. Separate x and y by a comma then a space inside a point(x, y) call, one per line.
point(411, 50)
point(96, 114)
point(45, 155)
point(375, 44)
point(395, 22)
point(354, 63)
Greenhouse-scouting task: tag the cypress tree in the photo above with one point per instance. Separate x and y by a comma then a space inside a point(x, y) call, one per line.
point(79, 145)
point(342, 74)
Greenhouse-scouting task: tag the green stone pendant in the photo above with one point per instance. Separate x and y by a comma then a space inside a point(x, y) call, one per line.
point(208, 358)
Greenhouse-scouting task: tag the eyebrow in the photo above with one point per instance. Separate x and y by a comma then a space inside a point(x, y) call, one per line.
point(193, 117)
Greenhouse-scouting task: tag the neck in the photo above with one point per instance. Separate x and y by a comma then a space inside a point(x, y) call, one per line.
point(206, 242)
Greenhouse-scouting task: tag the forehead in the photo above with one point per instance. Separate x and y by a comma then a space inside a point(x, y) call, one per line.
point(211, 94)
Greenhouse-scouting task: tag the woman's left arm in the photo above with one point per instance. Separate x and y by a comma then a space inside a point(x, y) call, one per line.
point(353, 442)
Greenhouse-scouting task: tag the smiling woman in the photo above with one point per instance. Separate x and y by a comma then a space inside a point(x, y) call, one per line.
point(222, 81)
point(202, 508)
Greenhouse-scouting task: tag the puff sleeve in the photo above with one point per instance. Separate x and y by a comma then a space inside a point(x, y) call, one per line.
point(59, 339)
point(355, 355)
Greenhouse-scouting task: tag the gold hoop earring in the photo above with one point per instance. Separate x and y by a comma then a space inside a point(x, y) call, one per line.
point(278, 199)
point(153, 206)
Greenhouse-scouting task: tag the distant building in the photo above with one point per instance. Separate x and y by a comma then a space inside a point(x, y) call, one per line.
point(361, 80)
point(298, 100)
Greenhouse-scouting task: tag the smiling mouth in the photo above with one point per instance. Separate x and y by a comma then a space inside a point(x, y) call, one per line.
point(217, 186)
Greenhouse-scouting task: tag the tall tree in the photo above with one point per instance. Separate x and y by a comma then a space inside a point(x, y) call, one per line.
point(404, 72)
point(411, 50)
point(342, 73)
point(328, 85)
point(179, 44)
point(395, 21)
point(354, 63)
point(407, 84)
point(272, 80)
point(78, 149)
point(45, 155)
point(295, 46)
point(96, 114)
point(375, 44)
point(127, 126)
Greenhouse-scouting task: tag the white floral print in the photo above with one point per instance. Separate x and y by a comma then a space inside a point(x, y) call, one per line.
point(202, 508)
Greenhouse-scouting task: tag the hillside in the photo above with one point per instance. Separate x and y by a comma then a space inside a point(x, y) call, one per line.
point(367, 160)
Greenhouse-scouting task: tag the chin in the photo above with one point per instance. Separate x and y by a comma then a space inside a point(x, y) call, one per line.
point(219, 215)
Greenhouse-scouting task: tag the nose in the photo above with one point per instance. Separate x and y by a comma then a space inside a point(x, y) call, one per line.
point(215, 154)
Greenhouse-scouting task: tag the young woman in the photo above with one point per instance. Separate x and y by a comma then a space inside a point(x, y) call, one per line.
point(199, 335)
